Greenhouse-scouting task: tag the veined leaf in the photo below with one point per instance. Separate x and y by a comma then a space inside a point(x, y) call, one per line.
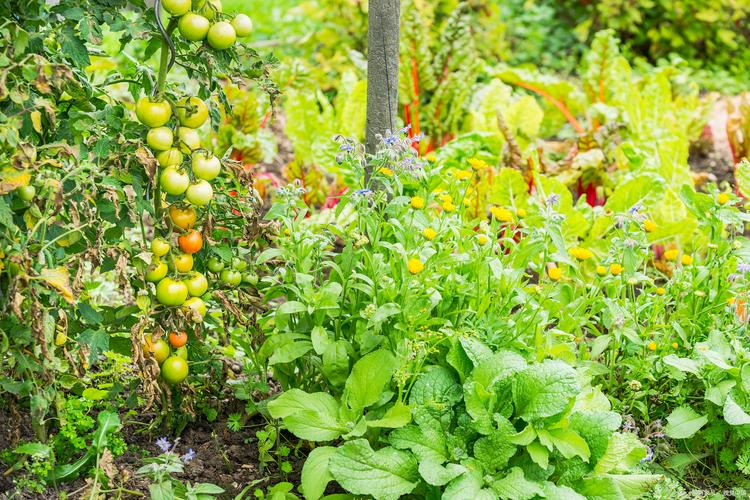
point(369, 377)
point(684, 422)
point(308, 416)
point(515, 486)
point(386, 473)
point(315, 473)
point(624, 451)
point(544, 390)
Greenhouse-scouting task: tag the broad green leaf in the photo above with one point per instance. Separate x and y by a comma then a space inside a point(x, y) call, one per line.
point(624, 451)
point(437, 475)
point(320, 339)
point(397, 416)
point(515, 486)
point(386, 473)
point(544, 390)
point(315, 475)
point(509, 189)
point(684, 422)
point(682, 364)
point(569, 443)
point(539, 454)
point(555, 492)
point(427, 441)
point(494, 451)
point(336, 363)
point(734, 414)
point(289, 352)
point(742, 175)
point(369, 378)
point(468, 486)
point(436, 390)
point(618, 487)
point(596, 427)
point(308, 416)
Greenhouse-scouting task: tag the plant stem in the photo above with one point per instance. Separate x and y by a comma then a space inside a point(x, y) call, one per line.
point(160, 83)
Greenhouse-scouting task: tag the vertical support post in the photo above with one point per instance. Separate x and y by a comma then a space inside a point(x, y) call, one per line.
point(383, 33)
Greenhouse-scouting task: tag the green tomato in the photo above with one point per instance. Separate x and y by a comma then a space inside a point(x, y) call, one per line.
point(231, 277)
point(156, 271)
point(159, 247)
point(160, 138)
point(199, 193)
point(205, 166)
point(176, 7)
point(153, 113)
point(193, 27)
point(159, 350)
point(250, 279)
point(190, 140)
point(174, 181)
point(192, 112)
point(174, 370)
point(195, 305)
point(170, 157)
point(239, 264)
point(171, 293)
point(208, 8)
point(242, 25)
point(26, 193)
point(197, 284)
point(182, 352)
point(221, 36)
point(215, 265)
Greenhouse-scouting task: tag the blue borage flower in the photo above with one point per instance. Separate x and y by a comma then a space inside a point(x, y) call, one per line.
point(363, 192)
point(163, 444)
point(635, 209)
point(552, 200)
point(649, 455)
point(187, 457)
point(743, 268)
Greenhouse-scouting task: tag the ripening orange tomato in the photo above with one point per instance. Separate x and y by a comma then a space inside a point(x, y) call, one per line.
point(178, 339)
point(190, 242)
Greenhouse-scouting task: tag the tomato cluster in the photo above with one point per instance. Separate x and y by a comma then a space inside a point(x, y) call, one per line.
point(174, 366)
point(185, 172)
point(172, 146)
point(201, 20)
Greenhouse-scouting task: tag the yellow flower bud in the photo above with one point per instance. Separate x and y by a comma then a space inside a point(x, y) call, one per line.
point(554, 273)
point(417, 202)
point(415, 266)
point(649, 226)
point(429, 233)
point(615, 269)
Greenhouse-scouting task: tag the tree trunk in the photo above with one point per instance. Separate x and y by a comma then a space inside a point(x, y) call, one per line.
point(382, 69)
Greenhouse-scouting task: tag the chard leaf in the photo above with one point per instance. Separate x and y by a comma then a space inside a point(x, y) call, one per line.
point(437, 475)
point(468, 486)
point(624, 451)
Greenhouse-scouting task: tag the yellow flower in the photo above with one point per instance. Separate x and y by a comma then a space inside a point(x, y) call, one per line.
point(652, 346)
point(671, 254)
point(601, 270)
point(502, 214)
point(429, 233)
point(417, 202)
point(581, 253)
point(675, 345)
point(731, 301)
point(448, 206)
point(415, 266)
point(461, 175)
point(386, 171)
point(477, 164)
point(722, 198)
point(615, 269)
point(432, 157)
point(660, 291)
point(521, 213)
point(554, 273)
point(686, 260)
point(483, 239)
point(445, 197)
point(649, 226)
